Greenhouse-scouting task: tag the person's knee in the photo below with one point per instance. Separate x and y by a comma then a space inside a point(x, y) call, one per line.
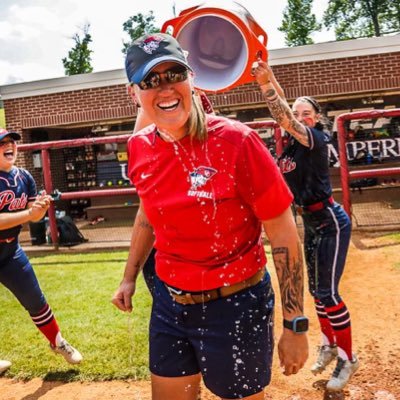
point(175, 388)
point(257, 396)
point(35, 305)
point(329, 299)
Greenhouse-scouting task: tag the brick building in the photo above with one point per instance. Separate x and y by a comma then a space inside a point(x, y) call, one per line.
point(343, 76)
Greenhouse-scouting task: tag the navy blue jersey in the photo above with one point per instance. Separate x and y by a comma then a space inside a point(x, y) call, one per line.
point(306, 169)
point(17, 189)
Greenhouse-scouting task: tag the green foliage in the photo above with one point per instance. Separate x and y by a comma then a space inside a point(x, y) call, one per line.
point(79, 288)
point(79, 57)
point(298, 23)
point(2, 118)
point(138, 25)
point(393, 14)
point(362, 18)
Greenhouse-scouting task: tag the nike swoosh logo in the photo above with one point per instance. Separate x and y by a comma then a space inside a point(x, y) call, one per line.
point(144, 176)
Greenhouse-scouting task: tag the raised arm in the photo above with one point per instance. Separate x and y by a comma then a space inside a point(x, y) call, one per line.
point(277, 104)
point(288, 261)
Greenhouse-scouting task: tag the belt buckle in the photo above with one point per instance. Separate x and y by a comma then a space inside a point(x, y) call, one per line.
point(173, 291)
point(180, 297)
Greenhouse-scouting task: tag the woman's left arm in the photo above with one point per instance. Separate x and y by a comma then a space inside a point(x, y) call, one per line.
point(288, 261)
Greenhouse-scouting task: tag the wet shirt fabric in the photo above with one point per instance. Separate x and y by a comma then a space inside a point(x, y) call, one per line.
point(306, 169)
point(205, 201)
point(17, 189)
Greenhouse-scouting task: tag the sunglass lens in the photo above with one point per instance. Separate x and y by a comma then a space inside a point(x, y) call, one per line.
point(177, 74)
point(173, 75)
point(151, 81)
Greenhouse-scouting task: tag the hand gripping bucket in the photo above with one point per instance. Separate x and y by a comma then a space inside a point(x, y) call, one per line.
point(223, 44)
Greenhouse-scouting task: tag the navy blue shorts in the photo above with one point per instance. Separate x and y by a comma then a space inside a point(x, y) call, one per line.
point(229, 340)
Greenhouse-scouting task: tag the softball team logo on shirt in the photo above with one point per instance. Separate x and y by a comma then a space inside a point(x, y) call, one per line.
point(8, 198)
point(287, 165)
point(198, 178)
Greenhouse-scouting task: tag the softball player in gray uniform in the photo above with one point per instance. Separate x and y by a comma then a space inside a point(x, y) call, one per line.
point(19, 204)
point(327, 228)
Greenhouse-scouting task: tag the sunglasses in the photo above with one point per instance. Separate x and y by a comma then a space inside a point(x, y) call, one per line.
point(5, 143)
point(173, 75)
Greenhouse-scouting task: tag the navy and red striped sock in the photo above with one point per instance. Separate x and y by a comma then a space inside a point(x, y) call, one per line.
point(328, 335)
point(339, 318)
point(47, 324)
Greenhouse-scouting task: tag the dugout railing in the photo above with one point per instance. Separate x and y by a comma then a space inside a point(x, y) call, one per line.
point(269, 130)
point(379, 153)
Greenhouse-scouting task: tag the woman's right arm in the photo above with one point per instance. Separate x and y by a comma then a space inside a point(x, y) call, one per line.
point(35, 211)
point(142, 241)
point(277, 104)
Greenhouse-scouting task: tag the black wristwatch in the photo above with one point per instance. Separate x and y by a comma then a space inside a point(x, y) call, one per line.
point(297, 325)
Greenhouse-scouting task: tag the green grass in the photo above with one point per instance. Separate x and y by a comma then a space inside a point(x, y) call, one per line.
point(394, 236)
point(79, 288)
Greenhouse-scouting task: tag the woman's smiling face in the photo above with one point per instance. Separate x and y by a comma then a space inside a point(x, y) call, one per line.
point(168, 105)
point(8, 154)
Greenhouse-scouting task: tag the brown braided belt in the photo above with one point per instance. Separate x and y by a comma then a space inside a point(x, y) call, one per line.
point(182, 297)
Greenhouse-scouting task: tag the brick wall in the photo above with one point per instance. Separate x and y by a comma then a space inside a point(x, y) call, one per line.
point(91, 105)
point(325, 78)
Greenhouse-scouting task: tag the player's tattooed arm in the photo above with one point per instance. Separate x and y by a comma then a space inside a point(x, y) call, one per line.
point(287, 256)
point(290, 276)
point(283, 115)
point(144, 222)
point(142, 241)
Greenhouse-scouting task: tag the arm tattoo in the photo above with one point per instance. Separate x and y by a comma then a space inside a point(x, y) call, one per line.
point(290, 279)
point(283, 115)
point(138, 268)
point(144, 223)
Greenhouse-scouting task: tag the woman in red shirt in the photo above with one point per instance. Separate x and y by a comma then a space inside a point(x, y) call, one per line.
point(207, 187)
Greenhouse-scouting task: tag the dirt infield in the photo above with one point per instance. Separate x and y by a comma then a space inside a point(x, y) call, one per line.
point(370, 288)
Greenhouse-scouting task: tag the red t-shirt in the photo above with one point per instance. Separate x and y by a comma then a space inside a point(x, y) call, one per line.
point(206, 201)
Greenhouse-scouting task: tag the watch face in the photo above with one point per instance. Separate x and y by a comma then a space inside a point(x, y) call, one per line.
point(300, 325)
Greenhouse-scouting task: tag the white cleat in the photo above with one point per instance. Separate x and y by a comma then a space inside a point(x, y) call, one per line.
point(344, 370)
point(4, 365)
point(70, 354)
point(326, 354)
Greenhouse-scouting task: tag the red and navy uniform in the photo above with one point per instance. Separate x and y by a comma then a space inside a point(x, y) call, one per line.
point(327, 230)
point(196, 195)
point(17, 189)
point(306, 169)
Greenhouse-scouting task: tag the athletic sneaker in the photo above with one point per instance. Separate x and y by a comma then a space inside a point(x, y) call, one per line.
point(70, 354)
point(4, 365)
point(326, 354)
point(343, 372)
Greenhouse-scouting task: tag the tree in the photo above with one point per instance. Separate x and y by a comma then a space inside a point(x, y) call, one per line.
point(362, 18)
point(298, 23)
point(394, 16)
point(79, 59)
point(137, 26)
